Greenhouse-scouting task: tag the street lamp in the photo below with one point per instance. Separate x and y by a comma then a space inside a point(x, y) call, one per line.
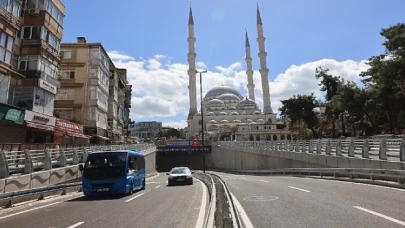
point(202, 117)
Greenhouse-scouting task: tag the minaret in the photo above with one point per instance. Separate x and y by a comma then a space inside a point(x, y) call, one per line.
point(264, 71)
point(191, 55)
point(249, 69)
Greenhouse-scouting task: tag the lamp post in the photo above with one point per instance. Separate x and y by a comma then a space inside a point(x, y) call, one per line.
point(202, 117)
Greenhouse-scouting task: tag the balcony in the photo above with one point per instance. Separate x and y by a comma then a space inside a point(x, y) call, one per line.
point(9, 18)
point(67, 104)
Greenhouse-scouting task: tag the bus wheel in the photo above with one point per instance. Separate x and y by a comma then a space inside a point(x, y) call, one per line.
point(131, 189)
point(143, 184)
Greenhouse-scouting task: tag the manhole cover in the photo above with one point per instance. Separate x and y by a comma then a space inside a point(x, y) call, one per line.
point(260, 198)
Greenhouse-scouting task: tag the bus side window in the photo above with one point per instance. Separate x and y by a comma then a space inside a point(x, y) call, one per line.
point(141, 162)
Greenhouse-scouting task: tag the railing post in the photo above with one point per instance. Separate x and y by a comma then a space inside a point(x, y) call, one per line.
point(304, 146)
point(350, 151)
point(62, 157)
point(365, 149)
point(311, 147)
point(319, 147)
point(75, 156)
point(297, 146)
point(3, 165)
point(280, 145)
point(328, 147)
point(339, 148)
point(47, 160)
point(402, 151)
point(292, 145)
point(383, 150)
point(28, 166)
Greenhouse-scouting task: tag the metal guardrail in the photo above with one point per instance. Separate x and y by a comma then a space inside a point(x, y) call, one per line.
point(11, 197)
point(29, 161)
point(382, 149)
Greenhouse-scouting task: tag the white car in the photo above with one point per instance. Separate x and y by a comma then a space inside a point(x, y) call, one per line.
point(180, 175)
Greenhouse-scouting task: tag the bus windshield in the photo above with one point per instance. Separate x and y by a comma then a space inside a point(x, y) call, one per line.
point(102, 166)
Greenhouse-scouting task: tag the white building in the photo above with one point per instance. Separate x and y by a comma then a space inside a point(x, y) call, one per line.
point(225, 109)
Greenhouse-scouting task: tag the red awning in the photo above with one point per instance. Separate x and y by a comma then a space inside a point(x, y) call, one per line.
point(40, 126)
point(78, 135)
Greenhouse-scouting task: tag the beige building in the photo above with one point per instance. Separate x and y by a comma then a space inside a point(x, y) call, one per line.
point(226, 113)
point(92, 90)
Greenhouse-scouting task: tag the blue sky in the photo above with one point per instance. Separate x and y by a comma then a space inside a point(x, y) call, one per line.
point(297, 31)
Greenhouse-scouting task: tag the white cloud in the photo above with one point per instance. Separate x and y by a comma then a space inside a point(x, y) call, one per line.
point(160, 88)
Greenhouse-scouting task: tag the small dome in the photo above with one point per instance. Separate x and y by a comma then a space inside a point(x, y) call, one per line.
point(257, 113)
point(198, 114)
point(223, 113)
point(234, 113)
point(228, 97)
point(215, 102)
point(210, 114)
point(243, 113)
point(224, 121)
point(260, 121)
point(232, 108)
point(249, 121)
point(236, 121)
point(247, 102)
point(218, 91)
point(212, 121)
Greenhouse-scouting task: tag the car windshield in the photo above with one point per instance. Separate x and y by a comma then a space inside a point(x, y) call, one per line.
point(179, 170)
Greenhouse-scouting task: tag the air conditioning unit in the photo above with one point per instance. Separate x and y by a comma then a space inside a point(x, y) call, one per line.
point(34, 11)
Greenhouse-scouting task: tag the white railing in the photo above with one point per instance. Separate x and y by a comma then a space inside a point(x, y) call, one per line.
point(382, 149)
point(28, 161)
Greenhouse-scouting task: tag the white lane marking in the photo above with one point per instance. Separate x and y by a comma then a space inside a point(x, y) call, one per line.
point(264, 181)
point(158, 186)
point(126, 201)
point(201, 214)
point(299, 189)
point(381, 215)
point(76, 225)
point(32, 209)
point(245, 219)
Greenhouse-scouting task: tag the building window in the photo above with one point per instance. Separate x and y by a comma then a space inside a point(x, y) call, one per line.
point(66, 54)
point(11, 6)
point(66, 114)
point(6, 47)
point(96, 53)
point(67, 74)
point(31, 32)
point(100, 96)
point(28, 62)
point(65, 94)
point(54, 12)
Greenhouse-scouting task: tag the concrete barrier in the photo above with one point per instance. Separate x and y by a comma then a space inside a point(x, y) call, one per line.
point(243, 158)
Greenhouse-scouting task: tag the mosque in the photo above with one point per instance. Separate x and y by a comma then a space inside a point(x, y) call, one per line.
point(225, 109)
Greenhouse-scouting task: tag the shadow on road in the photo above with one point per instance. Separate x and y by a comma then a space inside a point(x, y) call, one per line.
point(94, 198)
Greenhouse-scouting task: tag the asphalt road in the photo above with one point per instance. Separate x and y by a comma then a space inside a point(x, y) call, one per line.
point(157, 206)
point(277, 201)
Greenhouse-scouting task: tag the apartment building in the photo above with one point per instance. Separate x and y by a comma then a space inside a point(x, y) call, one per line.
point(90, 90)
point(116, 103)
point(31, 32)
point(145, 130)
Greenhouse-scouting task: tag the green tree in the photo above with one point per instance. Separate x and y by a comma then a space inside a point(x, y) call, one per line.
point(301, 108)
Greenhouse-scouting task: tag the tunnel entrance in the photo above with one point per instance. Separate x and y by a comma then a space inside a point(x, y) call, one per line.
point(171, 156)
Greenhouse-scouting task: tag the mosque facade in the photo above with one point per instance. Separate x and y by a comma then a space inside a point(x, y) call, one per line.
point(228, 113)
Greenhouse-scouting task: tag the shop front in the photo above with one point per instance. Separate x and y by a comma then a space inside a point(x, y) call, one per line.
point(67, 132)
point(99, 135)
point(12, 128)
point(40, 127)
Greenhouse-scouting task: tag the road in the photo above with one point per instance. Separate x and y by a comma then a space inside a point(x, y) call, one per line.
point(157, 206)
point(277, 201)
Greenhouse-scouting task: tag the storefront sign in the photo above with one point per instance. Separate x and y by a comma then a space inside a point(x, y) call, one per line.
point(47, 86)
point(11, 114)
point(69, 127)
point(38, 118)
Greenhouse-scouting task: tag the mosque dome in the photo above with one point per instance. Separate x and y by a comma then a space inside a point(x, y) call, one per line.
point(224, 121)
point(212, 121)
point(247, 102)
point(215, 102)
point(223, 113)
point(210, 114)
point(234, 113)
point(220, 90)
point(228, 97)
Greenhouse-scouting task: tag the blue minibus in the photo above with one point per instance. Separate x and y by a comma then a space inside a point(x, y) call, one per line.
point(113, 172)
